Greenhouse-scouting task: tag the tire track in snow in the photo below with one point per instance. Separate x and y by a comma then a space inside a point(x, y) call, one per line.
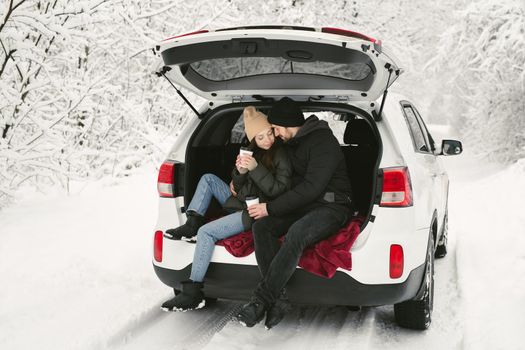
point(335, 328)
point(324, 326)
point(358, 330)
point(136, 326)
point(312, 330)
point(304, 327)
point(321, 327)
point(455, 291)
point(201, 335)
point(448, 314)
point(174, 330)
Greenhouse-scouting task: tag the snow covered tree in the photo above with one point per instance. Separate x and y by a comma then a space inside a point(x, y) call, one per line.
point(79, 98)
point(481, 61)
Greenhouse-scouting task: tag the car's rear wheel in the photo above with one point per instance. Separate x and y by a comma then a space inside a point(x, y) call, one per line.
point(416, 314)
point(441, 249)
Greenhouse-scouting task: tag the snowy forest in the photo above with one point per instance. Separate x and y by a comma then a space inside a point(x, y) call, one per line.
point(79, 99)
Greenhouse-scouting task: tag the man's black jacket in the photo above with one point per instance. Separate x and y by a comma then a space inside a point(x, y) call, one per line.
point(319, 171)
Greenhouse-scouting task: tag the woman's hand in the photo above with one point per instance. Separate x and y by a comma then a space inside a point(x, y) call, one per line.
point(232, 189)
point(248, 162)
point(239, 166)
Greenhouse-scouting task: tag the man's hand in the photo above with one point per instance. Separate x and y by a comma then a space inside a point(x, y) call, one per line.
point(258, 211)
point(232, 189)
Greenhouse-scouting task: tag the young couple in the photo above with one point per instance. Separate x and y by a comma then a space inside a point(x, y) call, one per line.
point(304, 192)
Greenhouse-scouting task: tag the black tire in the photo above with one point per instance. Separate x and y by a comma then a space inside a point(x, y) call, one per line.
point(441, 249)
point(417, 314)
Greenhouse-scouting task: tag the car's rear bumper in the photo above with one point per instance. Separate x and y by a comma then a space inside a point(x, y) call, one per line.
point(236, 282)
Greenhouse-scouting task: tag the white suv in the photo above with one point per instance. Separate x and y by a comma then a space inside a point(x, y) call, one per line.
point(398, 181)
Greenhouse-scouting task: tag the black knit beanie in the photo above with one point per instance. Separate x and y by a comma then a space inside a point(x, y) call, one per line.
point(286, 112)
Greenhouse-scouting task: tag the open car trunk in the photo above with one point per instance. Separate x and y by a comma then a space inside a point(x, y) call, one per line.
point(327, 63)
point(216, 142)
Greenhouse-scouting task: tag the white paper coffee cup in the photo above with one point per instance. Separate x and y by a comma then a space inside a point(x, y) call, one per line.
point(244, 152)
point(251, 201)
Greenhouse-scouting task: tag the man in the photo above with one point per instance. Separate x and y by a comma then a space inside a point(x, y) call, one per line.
point(316, 207)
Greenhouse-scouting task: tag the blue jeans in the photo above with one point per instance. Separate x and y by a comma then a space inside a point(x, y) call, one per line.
point(210, 185)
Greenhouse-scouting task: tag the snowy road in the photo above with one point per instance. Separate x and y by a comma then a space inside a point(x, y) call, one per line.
point(306, 327)
point(78, 275)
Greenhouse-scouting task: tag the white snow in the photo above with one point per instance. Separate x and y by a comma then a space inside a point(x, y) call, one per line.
point(488, 222)
point(75, 269)
point(76, 274)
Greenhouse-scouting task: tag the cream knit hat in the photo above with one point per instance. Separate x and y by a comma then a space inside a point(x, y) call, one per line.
point(254, 122)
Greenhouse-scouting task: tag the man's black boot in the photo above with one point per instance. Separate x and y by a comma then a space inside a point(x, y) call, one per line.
point(276, 312)
point(189, 229)
point(191, 297)
point(252, 313)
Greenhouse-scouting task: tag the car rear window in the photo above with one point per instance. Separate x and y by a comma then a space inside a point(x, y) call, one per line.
point(221, 69)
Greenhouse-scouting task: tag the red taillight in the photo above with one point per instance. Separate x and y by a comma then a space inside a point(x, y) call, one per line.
point(157, 246)
point(181, 35)
point(396, 261)
point(349, 33)
point(166, 179)
point(397, 188)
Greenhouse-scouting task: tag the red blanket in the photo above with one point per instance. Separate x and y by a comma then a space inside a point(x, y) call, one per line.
point(322, 259)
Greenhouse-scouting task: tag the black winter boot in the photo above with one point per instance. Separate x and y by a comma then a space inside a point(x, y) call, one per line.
point(252, 313)
point(277, 311)
point(189, 229)
point(191, 297)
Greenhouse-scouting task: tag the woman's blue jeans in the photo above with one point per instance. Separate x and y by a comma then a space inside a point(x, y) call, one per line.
point(211, 186)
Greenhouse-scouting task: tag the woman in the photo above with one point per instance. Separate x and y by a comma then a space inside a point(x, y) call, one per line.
point(265, 175)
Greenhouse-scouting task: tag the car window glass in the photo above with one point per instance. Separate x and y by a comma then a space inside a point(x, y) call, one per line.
point(426, 134)
point(415, 130)
point(237, 135)
point(220, 69)
point(337, 126)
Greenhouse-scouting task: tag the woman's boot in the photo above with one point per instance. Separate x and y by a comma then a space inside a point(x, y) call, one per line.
point(190, 298)
point(189, 229)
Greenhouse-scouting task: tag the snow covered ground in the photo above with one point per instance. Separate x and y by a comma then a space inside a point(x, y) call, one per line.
point(76, 274)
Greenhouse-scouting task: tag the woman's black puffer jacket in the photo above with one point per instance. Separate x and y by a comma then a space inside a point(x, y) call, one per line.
point(260, 182)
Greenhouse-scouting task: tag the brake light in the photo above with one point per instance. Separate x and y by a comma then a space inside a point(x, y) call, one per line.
point(349, 33)
point(187, 34)
point(310, 29)
point(397, 188)
point(396, 261)
point(166, 179)
point(157, 246)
